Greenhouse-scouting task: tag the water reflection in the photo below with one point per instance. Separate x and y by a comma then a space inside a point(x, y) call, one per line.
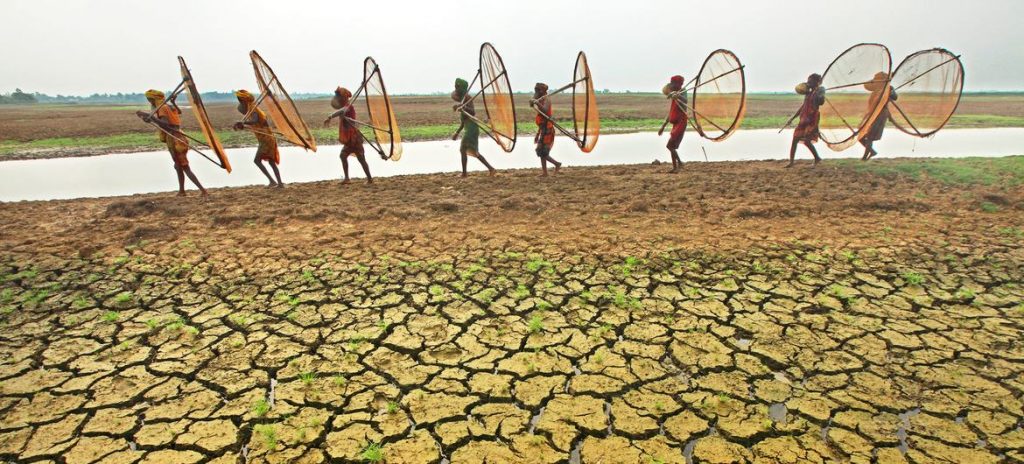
point(126, 174)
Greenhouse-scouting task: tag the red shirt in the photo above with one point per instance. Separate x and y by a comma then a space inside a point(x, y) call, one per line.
point(676, 114)
point(347, 131)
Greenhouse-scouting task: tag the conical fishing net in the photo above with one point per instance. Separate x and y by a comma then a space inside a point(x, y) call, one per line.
point(279, 106)
point(928, 85)
point(719, 96)
point(196, 101)
point(850, 107)
point(586, 120)
point(497, 96)
point(382, 114)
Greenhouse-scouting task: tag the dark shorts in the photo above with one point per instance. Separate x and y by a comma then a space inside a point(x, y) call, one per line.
point(543, 150)
point(676, 136)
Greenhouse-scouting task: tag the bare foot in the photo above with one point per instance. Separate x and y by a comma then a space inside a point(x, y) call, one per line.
point(492, 173)
point(272, 185)
point(205, 194)
point(181, 193)
point(346, 181)
point(543, 174)
point(279, 185)
point(816, 161)
point(464, 175)
point(790, 164)
point(558, 168)
point(369, 181)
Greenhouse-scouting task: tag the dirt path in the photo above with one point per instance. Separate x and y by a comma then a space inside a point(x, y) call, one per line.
point(737, 312)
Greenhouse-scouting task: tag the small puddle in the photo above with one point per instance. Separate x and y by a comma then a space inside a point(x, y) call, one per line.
point(690, 445)
point(778, 412)
point(574, 455)
point(535, 420)
point(608, 416)
point(901, 433)
point(825, 429)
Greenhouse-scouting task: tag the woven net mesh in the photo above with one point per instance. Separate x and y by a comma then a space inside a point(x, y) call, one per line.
point(497, 96)
point(586, 120)
point(928, 86)
point(719, 96)
point(850, 107)
point(382, 114)
point(199, 110)
point(279, 106)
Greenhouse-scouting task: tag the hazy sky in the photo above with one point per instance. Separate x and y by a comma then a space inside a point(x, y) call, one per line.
point(80, 47)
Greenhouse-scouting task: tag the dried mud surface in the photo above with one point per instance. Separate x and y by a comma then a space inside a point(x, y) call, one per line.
point(736, 312)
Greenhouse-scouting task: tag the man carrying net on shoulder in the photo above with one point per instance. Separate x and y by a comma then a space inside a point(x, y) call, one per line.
point(877, 89)
point(348, 133)
point(677, 117)
point(168, 118)
point(258, 124)
point(806, 132)
point(545, 137)
point(470, 145)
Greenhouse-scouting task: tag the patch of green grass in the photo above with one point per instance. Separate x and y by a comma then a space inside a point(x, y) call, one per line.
point(521, 292)
point(260, 408)
point(307, 378)
point(392, 407)
point(912, 278)
point(536, 324)
point(536, 264)
point(989, 207)
point(373, 453)
point(268, 434)
point(111, 316)
point(123, 297)
point(955, 171)
point(1011, 232)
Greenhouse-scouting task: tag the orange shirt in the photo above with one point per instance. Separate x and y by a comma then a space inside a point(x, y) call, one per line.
point(167, 113)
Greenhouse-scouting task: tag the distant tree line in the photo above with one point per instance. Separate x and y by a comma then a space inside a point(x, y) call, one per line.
point(18, 97)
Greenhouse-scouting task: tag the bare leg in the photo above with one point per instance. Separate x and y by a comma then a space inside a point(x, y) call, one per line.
point(544, 166)
point(344, 167)
point(366, 168)
point(792, 152)
point(551, 160)
point(181, 180)
point(490, 168)
point(259, 164)
point(465, 160)
point(677, 163)
point(814, 151)
point(277, 173)
point(192, 177)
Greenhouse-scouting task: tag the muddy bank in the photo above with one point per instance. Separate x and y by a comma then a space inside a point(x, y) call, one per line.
point(736, 312)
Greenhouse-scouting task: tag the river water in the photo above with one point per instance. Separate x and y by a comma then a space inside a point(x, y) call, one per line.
point(132, 173)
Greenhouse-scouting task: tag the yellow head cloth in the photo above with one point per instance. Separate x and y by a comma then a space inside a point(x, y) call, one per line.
point(154, 95)
point(244, 96)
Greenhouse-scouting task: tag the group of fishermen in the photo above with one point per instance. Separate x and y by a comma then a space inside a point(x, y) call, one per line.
point(167, 117)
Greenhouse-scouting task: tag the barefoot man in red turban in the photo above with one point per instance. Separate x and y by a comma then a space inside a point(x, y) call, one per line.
point(348, 134)
point(168, 118)
point(677, 116)
point(545, 128)
point(806, 132)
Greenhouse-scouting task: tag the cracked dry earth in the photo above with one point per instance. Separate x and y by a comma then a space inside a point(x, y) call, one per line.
point(610, 315)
